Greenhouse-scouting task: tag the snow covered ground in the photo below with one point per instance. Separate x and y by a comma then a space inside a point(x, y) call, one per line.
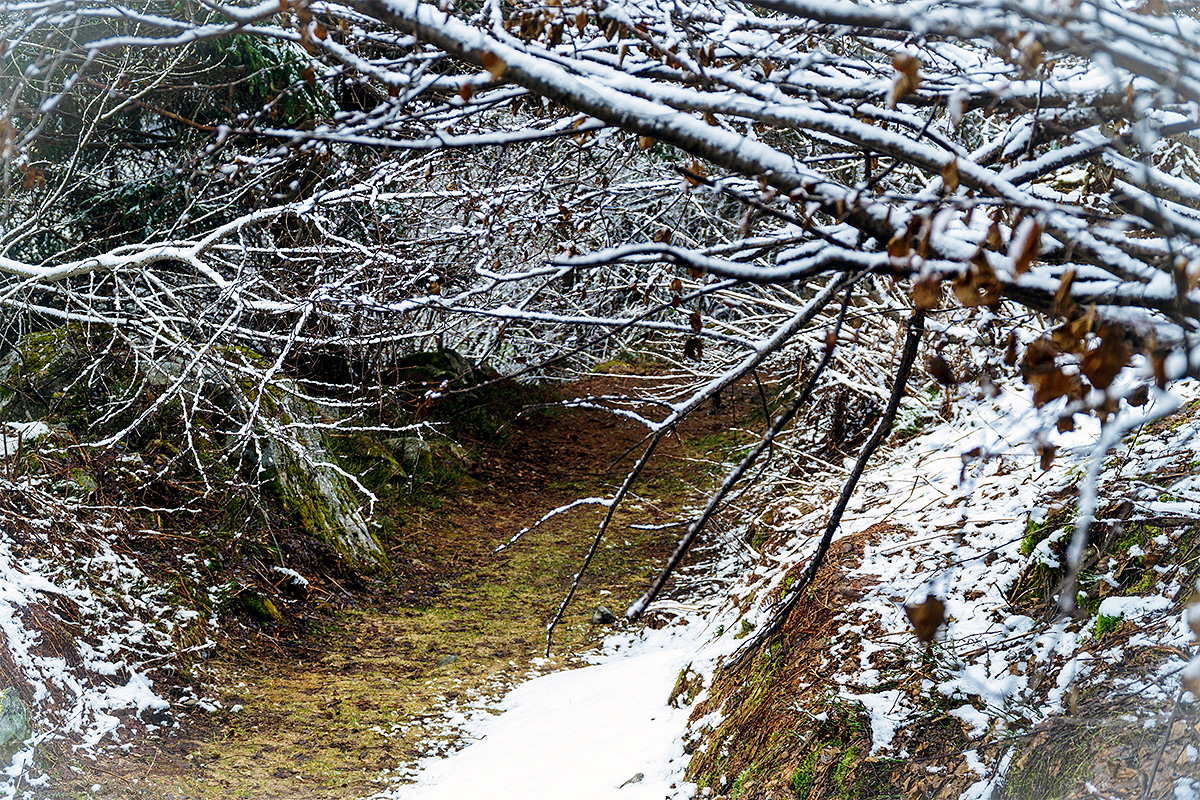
point(955, 513)
point(613, 728)
point(962, 511)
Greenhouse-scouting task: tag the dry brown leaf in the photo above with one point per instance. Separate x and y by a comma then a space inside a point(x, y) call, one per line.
point(1010, 348)
point(1102, 364)
point(941, 371)
point(663, 236)
point(1158, 362)
point(693, 348)
point(32, 178)
point(1071, 337)
point(1045, 455)
point(995, 238)
point(907, 78)
point(1139, 396)
point(978, 285)
point(1051, 385)
point(950, 176)
point(927, 293)
point(646, 142)
point(1191, 681)
point(1064, 305)
point(695, 321)
point(1039, 357)
point(1028, 249)
point(493, 63)
point(926, 617)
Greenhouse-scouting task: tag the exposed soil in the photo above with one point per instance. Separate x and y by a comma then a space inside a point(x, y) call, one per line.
point(349, 689)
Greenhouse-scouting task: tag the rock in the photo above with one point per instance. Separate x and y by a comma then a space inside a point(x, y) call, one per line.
point(14, 722)
point(412, 453)
point(437, 367)
point(317, 494)
point(41, 367)
point(603, 616)
point(81, 485)
point(635, 779)
point(447, 660)
point(261, 607)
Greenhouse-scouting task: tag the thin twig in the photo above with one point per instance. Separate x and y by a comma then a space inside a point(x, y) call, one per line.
point(916, 327)
point(1162, 747)
point(768, 439)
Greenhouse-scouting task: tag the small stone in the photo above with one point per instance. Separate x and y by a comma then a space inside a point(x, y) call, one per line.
point(447, 660)
point(635, 779)
point(14, 721)
point(603, 616)
point(260, 607)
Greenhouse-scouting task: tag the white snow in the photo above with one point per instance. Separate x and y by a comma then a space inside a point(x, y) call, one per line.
point(579, 734)
point(956, 527)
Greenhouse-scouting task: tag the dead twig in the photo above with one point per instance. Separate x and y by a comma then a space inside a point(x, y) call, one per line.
point(916, 327)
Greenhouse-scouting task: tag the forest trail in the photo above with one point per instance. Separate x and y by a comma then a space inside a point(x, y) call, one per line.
point(343, 705)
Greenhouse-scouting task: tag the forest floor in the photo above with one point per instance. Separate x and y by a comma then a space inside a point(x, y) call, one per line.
point(348, 700)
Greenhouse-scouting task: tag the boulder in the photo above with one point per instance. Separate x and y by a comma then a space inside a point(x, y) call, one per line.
point(14, 722)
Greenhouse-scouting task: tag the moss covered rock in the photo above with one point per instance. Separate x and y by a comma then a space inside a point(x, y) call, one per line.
point(304, 474)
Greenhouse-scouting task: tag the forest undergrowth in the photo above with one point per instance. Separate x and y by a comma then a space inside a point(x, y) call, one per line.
point(298, 678)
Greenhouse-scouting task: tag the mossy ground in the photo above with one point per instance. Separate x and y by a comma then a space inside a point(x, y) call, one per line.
point(347, 687)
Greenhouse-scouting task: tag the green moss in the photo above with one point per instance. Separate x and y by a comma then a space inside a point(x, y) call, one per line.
point(258, 606)
point(1135, 533)
point(802, 779)
point(1106, 624)
point(843, 773)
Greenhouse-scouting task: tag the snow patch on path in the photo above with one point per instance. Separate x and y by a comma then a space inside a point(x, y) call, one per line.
point(588, 733)
point(580, 734)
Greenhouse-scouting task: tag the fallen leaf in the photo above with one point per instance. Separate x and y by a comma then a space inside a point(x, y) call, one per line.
point(941, 371)
point(926, 617)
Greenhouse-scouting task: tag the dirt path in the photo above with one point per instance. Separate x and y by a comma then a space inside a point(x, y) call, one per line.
point(358, 695)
